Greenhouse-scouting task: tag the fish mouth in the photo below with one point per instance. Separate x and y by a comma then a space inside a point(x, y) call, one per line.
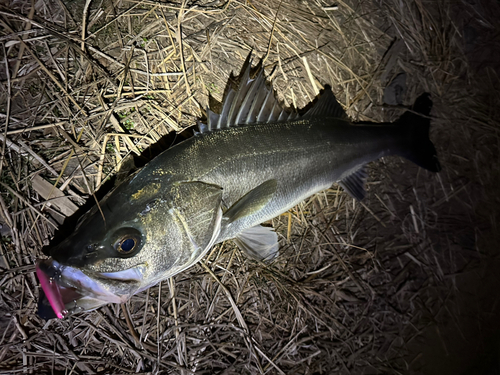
point(69, 290)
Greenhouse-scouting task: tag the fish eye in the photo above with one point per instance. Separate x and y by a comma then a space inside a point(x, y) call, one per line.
point(126, 246)
point(127, 242)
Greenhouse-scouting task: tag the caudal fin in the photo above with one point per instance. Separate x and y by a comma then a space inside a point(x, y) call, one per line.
point(418, 147)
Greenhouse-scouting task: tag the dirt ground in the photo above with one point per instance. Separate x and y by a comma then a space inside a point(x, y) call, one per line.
point(403, 282)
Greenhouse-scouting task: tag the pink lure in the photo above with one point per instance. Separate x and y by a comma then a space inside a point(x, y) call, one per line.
point(52, 292)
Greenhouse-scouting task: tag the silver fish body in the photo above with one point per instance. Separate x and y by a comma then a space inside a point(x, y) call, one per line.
point(303, 157)
point(219, 185)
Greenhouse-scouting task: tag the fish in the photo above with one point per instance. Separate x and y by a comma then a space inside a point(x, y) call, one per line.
point(251, 162)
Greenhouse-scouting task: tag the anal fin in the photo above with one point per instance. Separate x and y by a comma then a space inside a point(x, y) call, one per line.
point(354, 183)
point(259, 243)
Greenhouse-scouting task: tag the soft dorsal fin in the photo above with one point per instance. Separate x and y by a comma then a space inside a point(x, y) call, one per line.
point(354, 183)
point(327, 105)
point(252, 102)
point(252, 202)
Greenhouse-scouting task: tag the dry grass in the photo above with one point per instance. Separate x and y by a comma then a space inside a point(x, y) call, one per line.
point(355, 283)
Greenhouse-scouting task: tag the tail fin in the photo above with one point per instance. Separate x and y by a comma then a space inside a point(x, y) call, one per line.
point(418, 147)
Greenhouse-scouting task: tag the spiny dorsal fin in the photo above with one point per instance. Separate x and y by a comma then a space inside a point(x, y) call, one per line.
point(239, 97)
point(252, 102)
point(354, 183)
point(326, 105)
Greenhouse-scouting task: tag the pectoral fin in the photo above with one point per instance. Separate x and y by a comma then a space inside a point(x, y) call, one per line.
point(260, 243)
point(252, 202)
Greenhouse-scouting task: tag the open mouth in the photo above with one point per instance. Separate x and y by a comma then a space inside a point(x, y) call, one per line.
point(68, 290)
point(59, 297)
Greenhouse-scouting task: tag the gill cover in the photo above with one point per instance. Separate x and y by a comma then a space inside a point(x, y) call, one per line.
point(196, 212)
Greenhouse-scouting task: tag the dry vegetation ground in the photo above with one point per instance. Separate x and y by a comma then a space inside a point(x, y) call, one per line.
point(359, 287)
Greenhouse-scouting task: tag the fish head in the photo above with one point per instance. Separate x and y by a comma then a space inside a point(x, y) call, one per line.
point(130, 242)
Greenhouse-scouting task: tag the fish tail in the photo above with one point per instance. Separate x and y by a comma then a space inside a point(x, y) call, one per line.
point(418, 148)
